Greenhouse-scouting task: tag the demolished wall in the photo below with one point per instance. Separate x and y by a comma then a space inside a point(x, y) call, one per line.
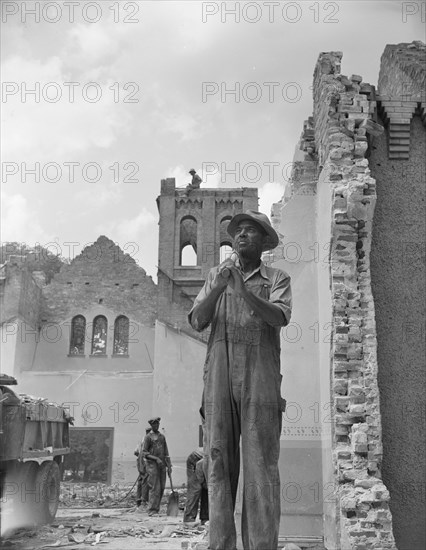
point(344, 121)
point(101, 274)
point(340, 146)
point(343, 114)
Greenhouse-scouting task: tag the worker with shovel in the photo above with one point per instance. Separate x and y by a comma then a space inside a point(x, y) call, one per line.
point(157, 459)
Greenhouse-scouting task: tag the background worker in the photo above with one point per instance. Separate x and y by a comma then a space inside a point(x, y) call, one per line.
point(195, 182)
point(142, 490)
point(197, 489)
point(157, 460)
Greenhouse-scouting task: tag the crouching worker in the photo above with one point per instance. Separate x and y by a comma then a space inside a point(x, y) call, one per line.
point(197, 489)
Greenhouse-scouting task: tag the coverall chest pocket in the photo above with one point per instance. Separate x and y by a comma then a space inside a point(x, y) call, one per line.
point(249, 318)
point(260, 288)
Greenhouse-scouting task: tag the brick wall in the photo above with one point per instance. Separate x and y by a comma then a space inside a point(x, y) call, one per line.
point(20, 294)
point(101, 274)
point(402, 71)
point(343, 116)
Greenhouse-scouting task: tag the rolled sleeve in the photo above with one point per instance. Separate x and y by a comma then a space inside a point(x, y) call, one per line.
point(281, 294)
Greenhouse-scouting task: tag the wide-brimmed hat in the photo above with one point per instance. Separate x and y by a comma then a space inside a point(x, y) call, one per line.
point(261, 219)
point(154, 419)
point(192, 170)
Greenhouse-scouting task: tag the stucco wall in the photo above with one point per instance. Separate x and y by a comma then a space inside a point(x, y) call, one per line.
point(398, 280)
point(122, 401)
point(302, 489)
point(177, 392)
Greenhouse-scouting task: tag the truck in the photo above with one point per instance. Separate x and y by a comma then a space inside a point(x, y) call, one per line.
point(34, 438)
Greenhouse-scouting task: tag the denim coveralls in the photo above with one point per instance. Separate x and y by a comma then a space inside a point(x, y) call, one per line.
point(242, 398)
point(155, 444)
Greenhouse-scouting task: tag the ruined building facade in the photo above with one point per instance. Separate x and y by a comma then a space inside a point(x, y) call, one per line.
point(354, 224)
point(118, 347)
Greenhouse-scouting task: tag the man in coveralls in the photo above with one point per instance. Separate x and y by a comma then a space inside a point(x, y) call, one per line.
point(142, 490)
point(157, 459)
point(246, 304)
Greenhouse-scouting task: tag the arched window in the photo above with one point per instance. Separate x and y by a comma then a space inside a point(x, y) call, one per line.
point(224, 235)
point(225, 239)
point(188, 256)
point(188, 242)
point(99, 338)
point(78, 331)
point(121, 336)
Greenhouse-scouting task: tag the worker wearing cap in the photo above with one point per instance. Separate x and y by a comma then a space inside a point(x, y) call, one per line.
point(157, 460)
point(142, 490)
point(195, 182)
point(246, 303)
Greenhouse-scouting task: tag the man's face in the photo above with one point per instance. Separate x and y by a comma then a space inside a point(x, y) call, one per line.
point(155, 425)
point(249, 239)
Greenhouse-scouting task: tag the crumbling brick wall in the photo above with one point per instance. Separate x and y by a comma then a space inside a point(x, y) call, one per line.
point(343, 115)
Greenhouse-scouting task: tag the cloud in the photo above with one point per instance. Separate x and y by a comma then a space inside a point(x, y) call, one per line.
point(19, 221)
point(183, 124)
point(270, 193)
point(38, 128)
point(129, 230)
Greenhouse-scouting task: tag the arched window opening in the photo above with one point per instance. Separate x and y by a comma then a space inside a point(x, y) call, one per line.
point(225, 251)
point(188, 256)
point(99, 338)
point(121, 336)
point(78, 331)
point(188, 242)
point(224, 236)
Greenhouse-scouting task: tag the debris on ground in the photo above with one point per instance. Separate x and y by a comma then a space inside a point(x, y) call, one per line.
point(94, 495)
point(114, 529)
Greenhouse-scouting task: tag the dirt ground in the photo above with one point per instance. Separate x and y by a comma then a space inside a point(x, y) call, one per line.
point(107, 517)
point(110, 529)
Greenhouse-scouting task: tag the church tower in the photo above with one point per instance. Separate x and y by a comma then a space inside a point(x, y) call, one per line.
point(192, 232)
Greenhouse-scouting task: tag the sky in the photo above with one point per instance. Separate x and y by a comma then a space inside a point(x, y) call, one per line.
point(101, 100)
